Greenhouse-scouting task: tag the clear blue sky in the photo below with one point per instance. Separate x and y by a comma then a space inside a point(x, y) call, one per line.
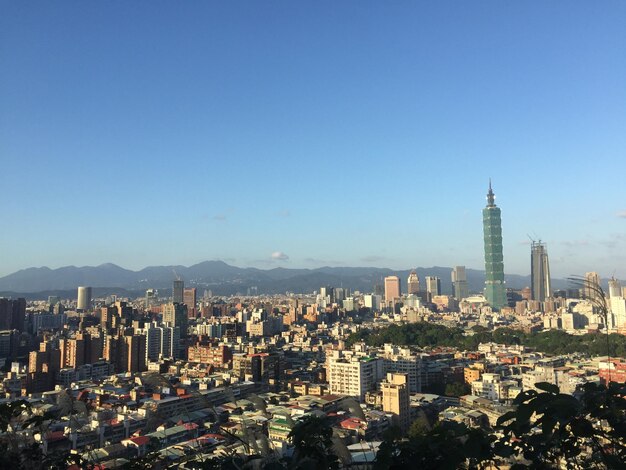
point(337, 133)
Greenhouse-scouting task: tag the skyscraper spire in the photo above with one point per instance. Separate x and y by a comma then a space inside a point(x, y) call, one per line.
point(490, 196)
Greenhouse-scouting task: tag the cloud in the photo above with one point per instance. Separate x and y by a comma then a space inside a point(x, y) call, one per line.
point(220, 217)
point(284, 213)
point(621, 214)
point(279, 256)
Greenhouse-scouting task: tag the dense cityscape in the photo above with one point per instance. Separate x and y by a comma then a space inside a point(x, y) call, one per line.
point(278, 235)
point(185, 379)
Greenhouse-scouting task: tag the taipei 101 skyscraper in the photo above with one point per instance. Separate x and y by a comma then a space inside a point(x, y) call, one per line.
point(495, 290)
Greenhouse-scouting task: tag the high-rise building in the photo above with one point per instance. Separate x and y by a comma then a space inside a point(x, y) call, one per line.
point(433, 286)
point(353, 375)
point(176, 315)
point(83, 301)
point(413, 283)
point(591, 285)
point(178, 288)
point(327, 294)
point(539, 271)
point(495, 289)
point(151, 297)
point(189, 299)
point(396, 399)
point(459, 283)
point(392, 288)
point(615, 289)
point(12, 314)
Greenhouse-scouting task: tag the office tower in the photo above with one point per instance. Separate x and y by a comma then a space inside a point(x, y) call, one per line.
point(12, 314)
point(327, 293)
point(539, 271)
point(459, 283)
point(591, 285)
point(176, 315)
point(615, 289)
point(177, 291)
point(392, 288)
point(372, 302)
point(83, 302)
point(413, 283)
point(151, 298)
point(495, 289)
point(340, 294)
point(135, 352)
point(433, 286)
point(396, 399)
point(189, 299)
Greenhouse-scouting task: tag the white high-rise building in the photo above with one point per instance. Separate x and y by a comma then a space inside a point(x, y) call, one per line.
point(372, 302)
point(618, 307)
point(353, 374)
point(161, 341)
point(83, 301)
point(404, 361)
point(615, 289)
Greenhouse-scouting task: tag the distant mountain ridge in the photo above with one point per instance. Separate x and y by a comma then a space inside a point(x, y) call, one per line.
point(224, 279)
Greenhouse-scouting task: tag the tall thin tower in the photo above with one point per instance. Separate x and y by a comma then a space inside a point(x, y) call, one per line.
point(495, 290)
point(539, 271)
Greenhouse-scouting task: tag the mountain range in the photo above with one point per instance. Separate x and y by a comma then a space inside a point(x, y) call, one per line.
point(222, 279)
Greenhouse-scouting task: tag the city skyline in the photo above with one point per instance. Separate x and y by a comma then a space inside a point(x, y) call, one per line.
point(260, 137)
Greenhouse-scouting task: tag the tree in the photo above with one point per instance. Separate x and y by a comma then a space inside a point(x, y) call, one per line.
point(550, 429)
point(312, 441)
point(457, 389)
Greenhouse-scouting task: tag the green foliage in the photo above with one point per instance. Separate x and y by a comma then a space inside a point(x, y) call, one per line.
point(449, 445)
point(551, 342)
point(548, 429)
point(554, 429)
point(312, 441)
point(457, 389)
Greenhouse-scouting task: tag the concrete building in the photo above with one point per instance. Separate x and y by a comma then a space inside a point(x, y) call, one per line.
point(373, 302)
point(190, 300)
point(615, 288)
point(413, 283)
point(396, 399)
point(539, 271)
point(392, 288)
point(494, 388)
point(402, 360)
point(590, 285)
point(459, 283)
point(83, 302)
point(352, 374)
point(176, 315)
point(178, 288)
point(433, 286)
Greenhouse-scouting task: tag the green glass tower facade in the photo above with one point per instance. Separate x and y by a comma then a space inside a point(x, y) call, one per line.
point(495, 289)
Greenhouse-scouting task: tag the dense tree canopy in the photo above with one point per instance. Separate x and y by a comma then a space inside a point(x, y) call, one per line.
point(551, 342)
